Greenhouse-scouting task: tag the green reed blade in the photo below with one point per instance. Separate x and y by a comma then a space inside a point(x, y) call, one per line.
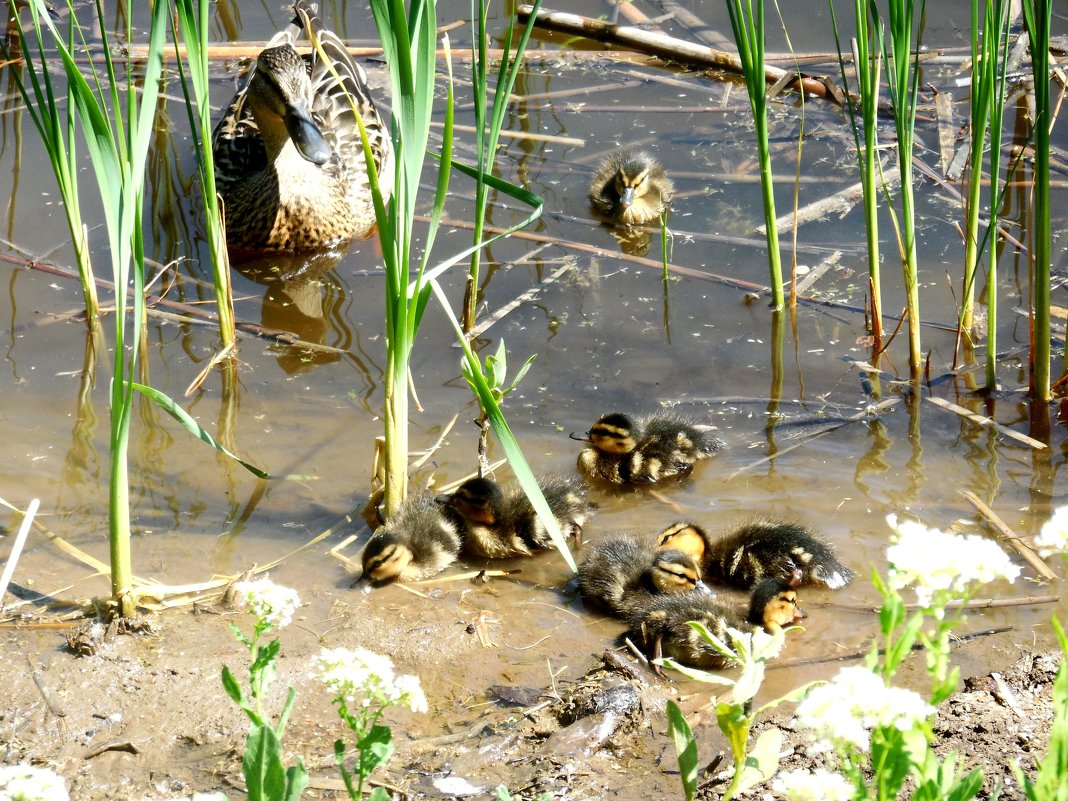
point(484, 393)
point(192, 426)
point(192, 26)
point(1037, 19)
point(747, 24)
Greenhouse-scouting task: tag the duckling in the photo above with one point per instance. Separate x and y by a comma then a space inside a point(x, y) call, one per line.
point(662, 628)
point(289, 160)
point(500, 522)
point(631, 188)
point(759, 549)
point(420, 540)
point(622, 575)
point(625, 450)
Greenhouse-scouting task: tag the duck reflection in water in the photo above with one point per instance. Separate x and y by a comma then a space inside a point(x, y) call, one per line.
point(301, 299)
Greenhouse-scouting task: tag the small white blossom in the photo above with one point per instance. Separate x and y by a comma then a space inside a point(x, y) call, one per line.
point(24, 782)
point(934, 561)
point(844, 711)
point(820, 785)
point(1054, 535)
point(272, 603)
point(410, 693)
point(363, 675)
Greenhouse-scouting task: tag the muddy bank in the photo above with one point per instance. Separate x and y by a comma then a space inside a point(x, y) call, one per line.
point(145, 716)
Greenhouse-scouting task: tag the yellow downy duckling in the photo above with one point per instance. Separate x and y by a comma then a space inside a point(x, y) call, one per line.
point(663, 628)
point(626, 450)
point(500, 522)
point(758, 550)
point(622, 575)
point(289, 161)
point(631, 188)
point(416, 543)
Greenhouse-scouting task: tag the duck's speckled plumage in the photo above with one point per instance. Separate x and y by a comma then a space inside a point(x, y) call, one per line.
point(760, 549)
point(628, 450)
point(500, 522)
point(420, 540)
point(662, 628)
point(630, 187)
point(277, 199)
point(622, 575)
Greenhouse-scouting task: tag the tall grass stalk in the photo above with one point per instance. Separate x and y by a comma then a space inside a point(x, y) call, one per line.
point(58, 136)
point(748, 27)
point(192, 24)
point(903, 71)
point(985, 49)
point(486, 144)
point(409, 45)
point(117, 138)
point(867, 66)
point(1037, 18)
point(996, 19)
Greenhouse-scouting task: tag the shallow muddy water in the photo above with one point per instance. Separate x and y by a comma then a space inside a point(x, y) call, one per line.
point(608, 333)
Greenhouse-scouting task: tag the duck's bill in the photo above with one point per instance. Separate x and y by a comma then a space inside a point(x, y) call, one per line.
point(307, 137)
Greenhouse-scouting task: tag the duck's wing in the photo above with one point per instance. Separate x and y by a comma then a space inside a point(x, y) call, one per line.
point(340, 91)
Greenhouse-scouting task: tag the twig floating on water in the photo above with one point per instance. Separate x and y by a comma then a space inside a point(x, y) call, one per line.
point(986, 421)
point(864, 414)
point(841, 201)
point(659, 44)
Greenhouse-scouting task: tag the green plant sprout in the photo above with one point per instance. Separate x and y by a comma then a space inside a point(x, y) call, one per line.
point(266, 777)
point(750, 652)
point(364, 685)
point(495, 373)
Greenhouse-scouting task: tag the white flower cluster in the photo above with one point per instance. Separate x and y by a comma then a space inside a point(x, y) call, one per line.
point(367, 676)
point(272, 603)
point(844, 711)
point(24, 782)
point(1054, 535)
point(820, 785)
point(934, 561)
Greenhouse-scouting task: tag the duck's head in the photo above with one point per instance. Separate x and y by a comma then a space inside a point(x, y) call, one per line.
point(674, 572)
point(687, 537)
point(477, 500)
point(774, 606)
point(615, 434)
point(280, 97)
point(385, 557)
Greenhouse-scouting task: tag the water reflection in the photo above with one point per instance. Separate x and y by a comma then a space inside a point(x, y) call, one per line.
point(302, 298)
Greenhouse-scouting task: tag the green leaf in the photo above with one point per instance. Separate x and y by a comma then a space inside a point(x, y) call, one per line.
point(192, 426)
point(685, 749)
point(280, 727)
point(967, 787)
point(296, 781)
point(378, 794)
point(230, 684)
point(695, 673)
point(502, 794)
point(375, 748)
point(890, 761)
point(762, 761)
point(262, 765)
point(735, 723)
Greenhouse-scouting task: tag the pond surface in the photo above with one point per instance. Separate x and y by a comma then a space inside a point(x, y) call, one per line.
point(608, 333)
